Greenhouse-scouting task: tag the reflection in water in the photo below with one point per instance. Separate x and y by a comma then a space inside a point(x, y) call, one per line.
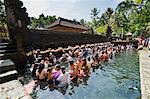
point(109, 80)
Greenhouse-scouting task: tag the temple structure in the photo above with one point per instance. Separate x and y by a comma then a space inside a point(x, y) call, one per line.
point(65, 25)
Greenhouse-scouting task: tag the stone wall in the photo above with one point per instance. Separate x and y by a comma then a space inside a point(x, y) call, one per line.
point(45, 38)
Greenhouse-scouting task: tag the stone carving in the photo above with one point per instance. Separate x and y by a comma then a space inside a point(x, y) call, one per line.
point(17, 21)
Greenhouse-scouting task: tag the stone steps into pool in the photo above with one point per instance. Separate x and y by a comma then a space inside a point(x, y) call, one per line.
point(6, 65)
point(7, 51)
point(7, 71)
point(8, 56)
point(8, 76)
point(10, 88)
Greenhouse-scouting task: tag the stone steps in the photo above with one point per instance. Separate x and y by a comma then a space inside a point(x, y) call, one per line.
point(8, 55)
point(6, 65)
point(8, 47)
point(8, 76)
point(7, 51)
point(4, 44)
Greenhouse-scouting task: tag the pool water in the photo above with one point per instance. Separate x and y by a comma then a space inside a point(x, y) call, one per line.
point(109, 81)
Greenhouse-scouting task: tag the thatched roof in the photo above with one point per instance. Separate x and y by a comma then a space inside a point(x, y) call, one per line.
point(68, 23)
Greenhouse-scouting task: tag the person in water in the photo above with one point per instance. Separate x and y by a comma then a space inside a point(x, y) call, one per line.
point(56, 72)
point(101, 56)
point(50, 77)
point(63, 78)
point(105, 56)
point(73, 71)
point(41, 73)
point(85, 67)
point(33, 71)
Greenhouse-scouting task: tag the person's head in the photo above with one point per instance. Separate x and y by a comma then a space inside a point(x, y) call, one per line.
point(42, 62)
point(46, 58)
point(63, 69)
point(102, 52)
point(34, 65)
point(41, 67)
point(84, 61)
point(38, 51)
point(49, 70)
point(106, 52)
point(71, 62)
point(57, 67)
point(88, 58)
point(49, 65)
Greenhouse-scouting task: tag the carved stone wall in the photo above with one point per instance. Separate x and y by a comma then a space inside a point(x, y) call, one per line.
point(17, 21)
point(46, 38)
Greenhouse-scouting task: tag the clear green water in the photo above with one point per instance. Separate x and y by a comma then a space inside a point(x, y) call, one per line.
point(110, 82)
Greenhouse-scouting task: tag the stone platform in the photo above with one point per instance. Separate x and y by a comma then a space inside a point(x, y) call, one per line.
point(144, 60)
point(13, 90)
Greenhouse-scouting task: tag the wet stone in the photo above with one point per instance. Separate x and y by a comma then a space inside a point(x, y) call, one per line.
point(145, 73)
point(13, 90)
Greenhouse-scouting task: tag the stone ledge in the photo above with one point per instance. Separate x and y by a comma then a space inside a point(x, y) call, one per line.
point(8, 76)
point(144, 73)
point(6, 65)
point(13, 90)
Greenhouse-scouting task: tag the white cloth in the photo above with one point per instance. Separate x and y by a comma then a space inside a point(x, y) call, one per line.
point(64, 79)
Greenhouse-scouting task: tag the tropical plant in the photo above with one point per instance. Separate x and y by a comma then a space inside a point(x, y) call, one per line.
point(41, 22)
point(94, 13)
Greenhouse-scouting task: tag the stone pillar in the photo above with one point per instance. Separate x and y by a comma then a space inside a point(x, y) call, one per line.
point(17, 21)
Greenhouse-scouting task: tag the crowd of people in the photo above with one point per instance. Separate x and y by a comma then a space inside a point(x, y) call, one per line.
point(60, 66)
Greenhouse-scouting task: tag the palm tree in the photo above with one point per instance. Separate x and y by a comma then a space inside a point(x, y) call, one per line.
point(94, 13)
point(106, 16)
point(83, 22)
point(106, 20)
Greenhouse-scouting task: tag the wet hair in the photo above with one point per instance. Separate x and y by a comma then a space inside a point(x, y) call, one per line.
point(63, 69)
point(102, 52)
point(106, 51)
point(89, 58)
point(84, 63)
point(41, 67)
point(57, 66)
point(49, 70)
point(71, 62)
point(49, 65)
point(35, 65)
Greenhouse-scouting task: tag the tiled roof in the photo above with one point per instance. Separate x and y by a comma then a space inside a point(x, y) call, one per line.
point(68, 23)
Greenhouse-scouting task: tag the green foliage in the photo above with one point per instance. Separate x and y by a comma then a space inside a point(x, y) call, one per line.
point(129, 16)
point(41, 22)
point(83, 22)
point(101, 30)
point(3, 26)
point(2, 15)
point(94, 13)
